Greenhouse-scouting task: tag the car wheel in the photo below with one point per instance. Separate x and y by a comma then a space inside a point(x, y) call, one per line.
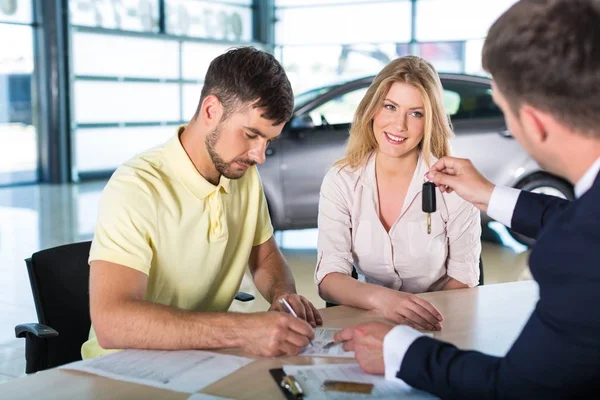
point(545, 184)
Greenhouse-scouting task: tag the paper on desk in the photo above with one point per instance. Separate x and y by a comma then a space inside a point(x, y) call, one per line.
point(182, 371)
point(321, 345)
point(311, 377)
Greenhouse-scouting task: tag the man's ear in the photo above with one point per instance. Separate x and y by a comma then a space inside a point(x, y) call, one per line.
point(534, 123)
point(211, 110)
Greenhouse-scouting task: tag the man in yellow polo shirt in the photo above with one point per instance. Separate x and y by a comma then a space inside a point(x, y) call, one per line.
point(179, 224)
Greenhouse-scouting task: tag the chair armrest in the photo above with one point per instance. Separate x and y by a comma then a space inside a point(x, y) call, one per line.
point(36, 345)
point(243, 296)
point(38, 330)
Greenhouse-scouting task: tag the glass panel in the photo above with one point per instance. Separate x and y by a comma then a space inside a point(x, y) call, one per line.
point(301, 3)
point(358, 23)
point(445, 56)
point(473, 65)
point(469, 100)
point(211, 20)
point(98, 102)
point(443, 20)
point(16, 11)
point(339, 110)
point(197, 57)
point(122, 56)
point(18, 137)
point(131, 15)
point(311, 67)
point(247, 3)
point(451, 102)
point(191, 97)
point(107, 148)
point(240, 2)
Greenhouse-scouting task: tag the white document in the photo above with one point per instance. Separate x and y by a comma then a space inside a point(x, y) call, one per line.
point(311, 377)
point(202, 396)
point(182, 371)
point(323, 346)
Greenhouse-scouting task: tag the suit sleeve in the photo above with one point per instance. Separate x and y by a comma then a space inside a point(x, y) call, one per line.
point(533, 211)
point(543, 363)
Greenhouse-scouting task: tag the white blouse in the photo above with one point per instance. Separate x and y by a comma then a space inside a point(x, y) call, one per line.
point(406, 258)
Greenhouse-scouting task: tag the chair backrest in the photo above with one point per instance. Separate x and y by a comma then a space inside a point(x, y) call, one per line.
point(59, 281)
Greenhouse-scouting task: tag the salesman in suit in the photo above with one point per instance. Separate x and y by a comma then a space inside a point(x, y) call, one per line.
point(544, 56)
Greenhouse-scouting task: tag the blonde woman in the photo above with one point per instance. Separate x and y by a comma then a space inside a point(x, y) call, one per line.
point(370, 208)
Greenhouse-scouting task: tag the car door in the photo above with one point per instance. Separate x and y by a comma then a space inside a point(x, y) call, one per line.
point(480, 130)
point(313, 142)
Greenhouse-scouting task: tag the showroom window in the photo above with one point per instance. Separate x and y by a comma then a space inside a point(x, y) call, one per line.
point(320, 42)
point(133, 84)
point(18, 133)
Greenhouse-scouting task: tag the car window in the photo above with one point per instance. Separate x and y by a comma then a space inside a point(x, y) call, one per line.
point(451, 102)
point(339, 110)
point(469, 100)
point(306, 97)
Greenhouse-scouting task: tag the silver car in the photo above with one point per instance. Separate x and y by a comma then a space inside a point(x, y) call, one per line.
point(316, 137)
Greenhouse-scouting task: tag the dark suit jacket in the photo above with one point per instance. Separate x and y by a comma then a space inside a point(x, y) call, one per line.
point(557, 355)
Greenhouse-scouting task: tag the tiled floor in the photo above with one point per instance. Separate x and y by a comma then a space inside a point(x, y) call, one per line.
point(42, 216)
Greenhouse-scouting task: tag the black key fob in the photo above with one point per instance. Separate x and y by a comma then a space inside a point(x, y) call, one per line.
point(429, 197)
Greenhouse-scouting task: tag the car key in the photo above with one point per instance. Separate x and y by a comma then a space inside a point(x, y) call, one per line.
point(429, 202)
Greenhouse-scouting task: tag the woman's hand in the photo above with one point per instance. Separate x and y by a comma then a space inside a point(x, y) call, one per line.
point(408, 309)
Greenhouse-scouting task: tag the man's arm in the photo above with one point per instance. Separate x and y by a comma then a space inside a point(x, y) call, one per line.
point(123, 319)
point(533, 211)
point(524, 212)
point(271, 274)
point(543, 363)
point(274, 280)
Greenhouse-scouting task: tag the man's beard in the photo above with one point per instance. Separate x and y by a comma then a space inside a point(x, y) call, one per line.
point(222, 167)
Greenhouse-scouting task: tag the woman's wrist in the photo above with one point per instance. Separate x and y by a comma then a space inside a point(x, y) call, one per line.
point(377, 296)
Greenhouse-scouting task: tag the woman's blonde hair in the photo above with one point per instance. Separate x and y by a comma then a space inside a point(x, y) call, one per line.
point(421, 75)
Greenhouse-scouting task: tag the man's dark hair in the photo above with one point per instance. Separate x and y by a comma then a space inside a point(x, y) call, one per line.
point(546, 53)
point(245, 77)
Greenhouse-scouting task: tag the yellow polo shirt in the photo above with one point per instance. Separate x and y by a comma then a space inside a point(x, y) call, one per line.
point(159, 216)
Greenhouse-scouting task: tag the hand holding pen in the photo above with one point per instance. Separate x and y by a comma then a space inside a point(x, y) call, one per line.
point(302, 308)
point(271, 334)
point(289, 308)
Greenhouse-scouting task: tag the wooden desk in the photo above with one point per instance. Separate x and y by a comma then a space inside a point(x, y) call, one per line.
point(487, 318)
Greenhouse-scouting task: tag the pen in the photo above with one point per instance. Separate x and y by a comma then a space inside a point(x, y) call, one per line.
point(284, 303)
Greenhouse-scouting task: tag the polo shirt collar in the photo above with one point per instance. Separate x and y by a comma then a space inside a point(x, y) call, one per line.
point(185, 171)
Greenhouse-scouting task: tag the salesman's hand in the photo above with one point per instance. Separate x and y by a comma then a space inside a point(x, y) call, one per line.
point(272, 334)
point(366, 340)
point(303, 308)
point(459, 175)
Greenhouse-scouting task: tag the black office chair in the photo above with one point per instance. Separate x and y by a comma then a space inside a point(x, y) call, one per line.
point(59, 281)
point(355, 276)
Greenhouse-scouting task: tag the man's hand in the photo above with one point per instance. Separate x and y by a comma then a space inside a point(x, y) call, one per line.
point(408, 309)
point(274, 334)
point(366, 340)
point(303, 308)
point(459, 175)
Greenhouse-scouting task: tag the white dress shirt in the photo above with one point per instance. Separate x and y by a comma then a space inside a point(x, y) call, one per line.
point(501, 207)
